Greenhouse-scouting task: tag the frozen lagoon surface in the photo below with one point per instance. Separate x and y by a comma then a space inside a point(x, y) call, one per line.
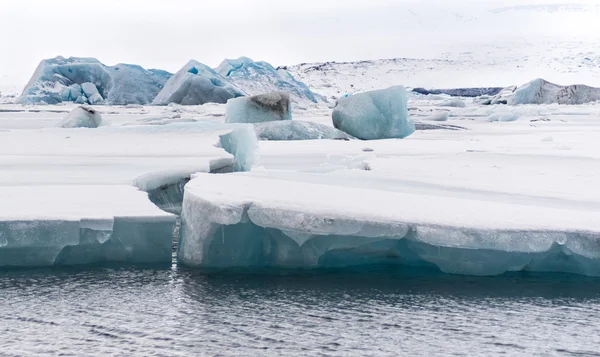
point(524, 173)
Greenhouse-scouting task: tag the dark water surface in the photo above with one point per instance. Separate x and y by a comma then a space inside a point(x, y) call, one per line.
point(137, 311)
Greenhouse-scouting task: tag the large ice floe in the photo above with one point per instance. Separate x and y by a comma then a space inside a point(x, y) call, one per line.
point(260, 77)
point(196, 84)
point(380, 114)
point(87, 81)
point(72, 196)
point(260, 108)
point(492, 199)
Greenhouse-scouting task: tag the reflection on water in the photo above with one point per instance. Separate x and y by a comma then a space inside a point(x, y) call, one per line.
point(377, 311)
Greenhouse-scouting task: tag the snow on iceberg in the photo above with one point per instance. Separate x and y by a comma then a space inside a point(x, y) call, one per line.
point(259, 108)
point(197, 84)
point(540, 91)
point(380, 114)
point(260, 77)
point(297, 130)
point(87, 81)
point(81, 117)
point(311, 221)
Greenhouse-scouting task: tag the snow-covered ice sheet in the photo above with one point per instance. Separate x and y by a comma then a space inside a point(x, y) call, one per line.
point(496, 197)
point(70, 196)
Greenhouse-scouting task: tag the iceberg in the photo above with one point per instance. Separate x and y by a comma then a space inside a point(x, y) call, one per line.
point(81, 117)
point(197, 84)
point(87, 81)
point(381, 114)
point(297, 130)
point(310, 221)
point(260, 77)
point(260, 108)
point(540, 91)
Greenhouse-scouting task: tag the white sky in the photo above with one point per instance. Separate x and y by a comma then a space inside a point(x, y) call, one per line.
point(167, 33)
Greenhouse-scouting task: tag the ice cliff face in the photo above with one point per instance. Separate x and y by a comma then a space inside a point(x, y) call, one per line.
point(260, 77)
point(88, 81)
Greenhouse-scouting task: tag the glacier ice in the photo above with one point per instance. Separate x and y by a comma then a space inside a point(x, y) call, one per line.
point(242, 143)
point(73, 79)
point(540, 91)
point(259, 108)
point(197, 84)
point(82, 117)
point(297, 130)
point(251, 221)
point(380, 114)
point(260, 77)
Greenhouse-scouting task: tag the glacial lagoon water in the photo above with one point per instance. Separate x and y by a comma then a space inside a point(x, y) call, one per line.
point(375, 311)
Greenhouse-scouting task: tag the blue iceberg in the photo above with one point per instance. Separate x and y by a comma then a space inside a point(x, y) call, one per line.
point(87, 81)
point(259, 108)
point(380, 114)
point(260, 77)
point(197, 84)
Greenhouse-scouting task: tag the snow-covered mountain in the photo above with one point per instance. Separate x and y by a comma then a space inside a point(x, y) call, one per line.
point(467, 66)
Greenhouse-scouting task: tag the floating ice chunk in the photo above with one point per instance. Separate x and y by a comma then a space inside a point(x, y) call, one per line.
point(260, 108)
point(441, 115)
point(117, 85)
point(260, 77)
point(196, 84)
point(82, 117)
point(242, 143)
point(503, 116)
point(297, 130)
point(455, 102)
point(540, 91)
point(381, 114)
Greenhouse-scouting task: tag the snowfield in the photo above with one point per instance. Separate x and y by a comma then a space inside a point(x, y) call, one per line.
point(466, 196)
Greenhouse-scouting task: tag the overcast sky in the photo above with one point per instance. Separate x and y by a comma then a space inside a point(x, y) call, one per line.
point(167, 33)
